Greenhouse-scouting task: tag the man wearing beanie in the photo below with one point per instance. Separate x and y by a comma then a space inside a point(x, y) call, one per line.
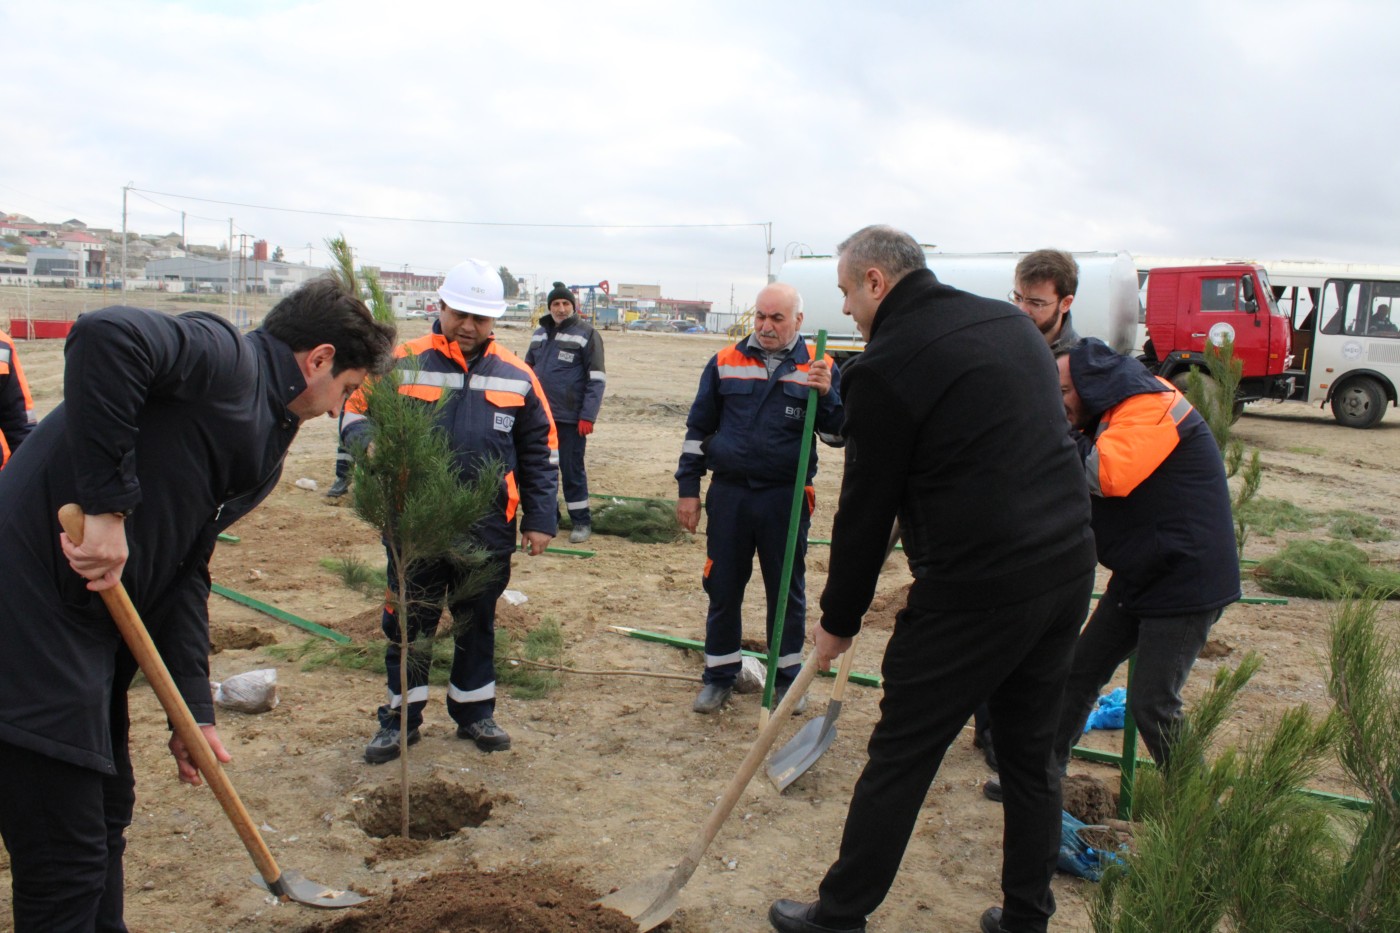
point(566, 354)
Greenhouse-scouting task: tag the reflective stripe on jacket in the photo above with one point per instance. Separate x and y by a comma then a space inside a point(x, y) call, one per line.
point(745, 426)
point(494, 408)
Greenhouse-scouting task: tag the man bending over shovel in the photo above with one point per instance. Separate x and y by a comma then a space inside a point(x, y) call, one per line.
point(171, 429)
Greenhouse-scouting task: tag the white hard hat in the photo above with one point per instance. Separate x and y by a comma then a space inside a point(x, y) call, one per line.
point(474, 287)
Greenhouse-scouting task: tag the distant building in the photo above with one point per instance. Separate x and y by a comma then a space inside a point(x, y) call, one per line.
point(214, 275)
point(64, 263)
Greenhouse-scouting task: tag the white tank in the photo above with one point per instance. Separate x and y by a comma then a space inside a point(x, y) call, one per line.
point(1106, 305)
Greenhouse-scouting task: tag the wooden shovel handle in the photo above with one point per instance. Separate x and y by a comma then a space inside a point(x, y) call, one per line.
point(144, 650)
point(741, 779)
point(843, 672)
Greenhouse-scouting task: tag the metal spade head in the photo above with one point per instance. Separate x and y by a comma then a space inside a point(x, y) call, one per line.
point(295, 886)
point(802, 750)
point(650, 902)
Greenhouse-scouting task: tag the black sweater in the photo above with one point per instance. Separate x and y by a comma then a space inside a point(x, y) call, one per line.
point(954, 423)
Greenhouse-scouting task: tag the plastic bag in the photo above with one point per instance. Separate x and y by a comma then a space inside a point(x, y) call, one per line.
point(752, 675)
point(1076, 856)
point(1110, 713)
point(250, 692)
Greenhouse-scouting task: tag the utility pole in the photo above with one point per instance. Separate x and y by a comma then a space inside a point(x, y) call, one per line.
point(125, 189)
point(230, 268)
point(768, 248)
point(184, 241)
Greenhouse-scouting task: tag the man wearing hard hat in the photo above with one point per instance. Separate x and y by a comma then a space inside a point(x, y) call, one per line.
point(493, 409)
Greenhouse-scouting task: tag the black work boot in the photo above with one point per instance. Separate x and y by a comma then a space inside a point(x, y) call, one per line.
point(385, 745)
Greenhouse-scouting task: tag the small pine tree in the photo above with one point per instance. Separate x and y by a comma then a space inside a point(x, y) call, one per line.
point(1213, 396)
point(1235, 843)
point(407, 485)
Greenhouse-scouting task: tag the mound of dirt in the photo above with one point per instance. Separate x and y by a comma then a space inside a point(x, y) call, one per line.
point(542, 901)
point(230, 636)
point(1088, 799)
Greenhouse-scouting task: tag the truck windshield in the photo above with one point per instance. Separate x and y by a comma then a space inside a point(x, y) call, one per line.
point(1268, 293)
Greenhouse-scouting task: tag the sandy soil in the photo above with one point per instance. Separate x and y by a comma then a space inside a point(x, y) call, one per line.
point(611, 777)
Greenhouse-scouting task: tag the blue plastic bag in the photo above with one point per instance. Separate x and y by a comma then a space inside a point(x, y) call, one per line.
point(1077, 857)
point(1110, 713)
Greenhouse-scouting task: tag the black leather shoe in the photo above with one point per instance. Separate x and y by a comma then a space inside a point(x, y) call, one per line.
point(983, 740)
point(991, 920)
point(796, 917)
point(992, 791)
point(385, 745)
point(712, 697)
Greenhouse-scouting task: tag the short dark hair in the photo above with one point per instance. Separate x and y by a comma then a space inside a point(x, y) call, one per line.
point(325, 311)
point(1050, 265)
point(893, 252)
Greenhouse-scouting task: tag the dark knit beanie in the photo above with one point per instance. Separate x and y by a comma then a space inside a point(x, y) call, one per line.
point(561, 291)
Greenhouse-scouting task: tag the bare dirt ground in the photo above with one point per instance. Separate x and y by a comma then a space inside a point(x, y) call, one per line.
point(611, 777)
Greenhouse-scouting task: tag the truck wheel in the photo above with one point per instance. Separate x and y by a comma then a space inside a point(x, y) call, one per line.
point(1359, 403)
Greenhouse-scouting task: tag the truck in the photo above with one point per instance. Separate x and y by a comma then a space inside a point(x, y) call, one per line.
point(1106, 305)
point(1315, 339)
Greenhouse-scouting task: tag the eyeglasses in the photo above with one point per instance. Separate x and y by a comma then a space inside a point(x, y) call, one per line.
point(1039, 304)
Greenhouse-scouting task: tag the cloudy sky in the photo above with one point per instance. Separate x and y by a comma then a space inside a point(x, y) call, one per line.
point(650, 142)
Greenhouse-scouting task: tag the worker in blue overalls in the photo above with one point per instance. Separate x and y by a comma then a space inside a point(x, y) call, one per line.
point(745, 427)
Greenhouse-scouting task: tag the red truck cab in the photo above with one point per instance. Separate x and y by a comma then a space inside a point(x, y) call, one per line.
point(1190, 305)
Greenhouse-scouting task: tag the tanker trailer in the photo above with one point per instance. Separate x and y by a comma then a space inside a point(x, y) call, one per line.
point(1106, 305)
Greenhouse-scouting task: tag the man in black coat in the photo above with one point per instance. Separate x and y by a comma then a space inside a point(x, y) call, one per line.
point(954, 425)
point(171, 429)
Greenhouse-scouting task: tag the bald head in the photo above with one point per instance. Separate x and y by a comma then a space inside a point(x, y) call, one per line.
point(777, 314)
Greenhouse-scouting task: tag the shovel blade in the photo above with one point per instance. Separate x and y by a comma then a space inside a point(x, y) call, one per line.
point(791, 761)
point(295, 886)
point(649, 903)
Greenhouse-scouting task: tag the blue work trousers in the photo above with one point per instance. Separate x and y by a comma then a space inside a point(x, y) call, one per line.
point(572, 476)
point(471, 688)
point(742, 520)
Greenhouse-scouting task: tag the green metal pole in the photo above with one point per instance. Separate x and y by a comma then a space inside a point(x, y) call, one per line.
point(280, 614)
point(804, 456)
point(693, 644)
point(1128, 763)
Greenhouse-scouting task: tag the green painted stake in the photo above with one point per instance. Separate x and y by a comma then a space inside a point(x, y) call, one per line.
point(804, 456)
point(827, 543)
point(231, 539)
point(675, 641)
point(1128, 767)
point(567, 551)
point(281, 615)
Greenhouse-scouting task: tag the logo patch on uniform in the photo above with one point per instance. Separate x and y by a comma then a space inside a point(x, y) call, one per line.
point(796, 412)
point(503, 422)
point(566, 356)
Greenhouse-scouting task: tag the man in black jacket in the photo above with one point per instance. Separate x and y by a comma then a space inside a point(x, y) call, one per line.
point(954, 425)
point(171, 429)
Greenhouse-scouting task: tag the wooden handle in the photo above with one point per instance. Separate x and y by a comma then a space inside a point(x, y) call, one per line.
point(750, 764)
point(144, 650)
point(843, 673)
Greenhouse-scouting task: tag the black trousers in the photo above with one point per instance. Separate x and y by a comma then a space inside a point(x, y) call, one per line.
point(63, 827)
point(938, 667)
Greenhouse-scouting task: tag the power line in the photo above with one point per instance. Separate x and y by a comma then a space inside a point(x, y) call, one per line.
point(458, 223)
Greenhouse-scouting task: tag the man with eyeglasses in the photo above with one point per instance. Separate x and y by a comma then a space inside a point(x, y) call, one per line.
point(1046, 281)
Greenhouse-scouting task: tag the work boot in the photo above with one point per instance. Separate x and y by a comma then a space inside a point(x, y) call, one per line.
point(991, 921)
point(580, 534)
point(983, 740)
point(796, 917)
point(339, 488)
point(992, 791)
point(385, 745)
point(488, 736)
point(712, 697)
point(780, 692)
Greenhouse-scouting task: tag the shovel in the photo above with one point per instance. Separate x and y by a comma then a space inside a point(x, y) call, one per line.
point(289, 885)
point(652, 900)
point(811, 741)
